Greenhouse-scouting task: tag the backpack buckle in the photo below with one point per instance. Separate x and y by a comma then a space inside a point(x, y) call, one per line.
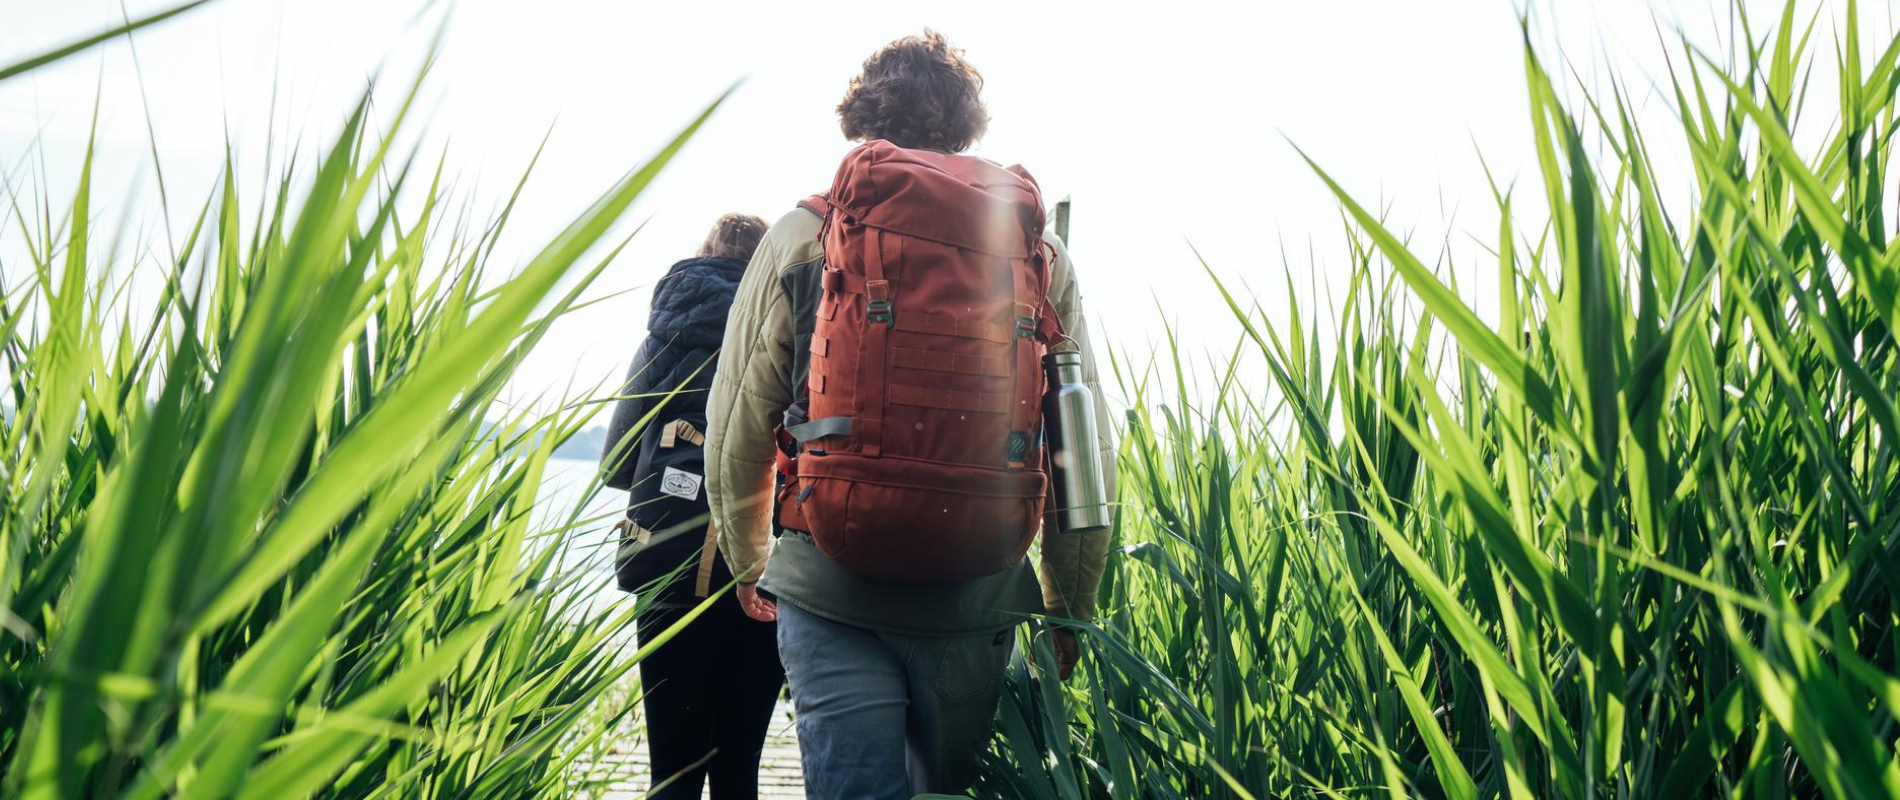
point(878, 312)
point(1025, 327)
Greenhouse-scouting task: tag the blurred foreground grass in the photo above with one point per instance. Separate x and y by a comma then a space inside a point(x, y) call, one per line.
point(266, 534)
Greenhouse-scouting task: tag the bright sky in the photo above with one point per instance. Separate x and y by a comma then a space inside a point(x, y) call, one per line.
point(1168, 124)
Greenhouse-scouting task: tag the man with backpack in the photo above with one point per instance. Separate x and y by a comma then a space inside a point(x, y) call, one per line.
point(884, 359)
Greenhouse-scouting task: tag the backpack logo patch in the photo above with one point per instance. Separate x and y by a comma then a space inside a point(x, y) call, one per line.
point(680, 484)
point(1018, 446)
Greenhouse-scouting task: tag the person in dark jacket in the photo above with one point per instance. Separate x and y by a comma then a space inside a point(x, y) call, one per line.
point(711, 689)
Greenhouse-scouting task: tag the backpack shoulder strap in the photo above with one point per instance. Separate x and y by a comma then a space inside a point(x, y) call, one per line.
point(1049, 328)
point(816, 204)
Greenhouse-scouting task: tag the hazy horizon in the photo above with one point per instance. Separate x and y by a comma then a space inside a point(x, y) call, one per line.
point(1134, 116)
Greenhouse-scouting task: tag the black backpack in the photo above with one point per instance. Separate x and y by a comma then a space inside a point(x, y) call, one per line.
point(666, 536)
point(668, 532)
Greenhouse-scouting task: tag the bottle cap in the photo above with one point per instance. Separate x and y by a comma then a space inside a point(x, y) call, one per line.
point(1066, 359)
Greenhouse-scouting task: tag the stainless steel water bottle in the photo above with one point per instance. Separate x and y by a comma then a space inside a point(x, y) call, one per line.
point(1082, 501)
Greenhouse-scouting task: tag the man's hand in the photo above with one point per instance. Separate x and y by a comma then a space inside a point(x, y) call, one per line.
point(755, 606)
point(1068, 650)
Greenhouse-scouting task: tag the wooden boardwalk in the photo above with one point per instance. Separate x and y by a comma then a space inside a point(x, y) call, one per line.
point(624, 767)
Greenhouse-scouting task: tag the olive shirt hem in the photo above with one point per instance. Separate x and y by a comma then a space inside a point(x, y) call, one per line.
point(798, 573)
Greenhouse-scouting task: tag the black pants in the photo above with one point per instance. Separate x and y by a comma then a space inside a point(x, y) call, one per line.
point(710, 692)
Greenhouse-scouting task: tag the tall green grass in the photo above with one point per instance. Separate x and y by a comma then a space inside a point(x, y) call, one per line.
point(1636, 538)
point(267, 533)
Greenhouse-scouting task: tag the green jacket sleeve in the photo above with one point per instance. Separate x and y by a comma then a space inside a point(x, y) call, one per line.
point(1072, 564)
point(750, 393)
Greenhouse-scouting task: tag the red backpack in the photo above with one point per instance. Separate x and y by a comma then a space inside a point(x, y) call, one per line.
point(921, 457)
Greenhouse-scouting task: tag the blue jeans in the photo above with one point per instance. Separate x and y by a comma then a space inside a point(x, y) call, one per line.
point(885, 716)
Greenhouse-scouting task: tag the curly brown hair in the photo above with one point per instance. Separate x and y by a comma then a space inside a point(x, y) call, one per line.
point(916, 92)
point(733, 236)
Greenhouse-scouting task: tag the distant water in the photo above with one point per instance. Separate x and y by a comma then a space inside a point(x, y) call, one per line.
point(589, 547)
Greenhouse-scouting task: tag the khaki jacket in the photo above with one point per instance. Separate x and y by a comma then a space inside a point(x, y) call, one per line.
point(753, 387)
